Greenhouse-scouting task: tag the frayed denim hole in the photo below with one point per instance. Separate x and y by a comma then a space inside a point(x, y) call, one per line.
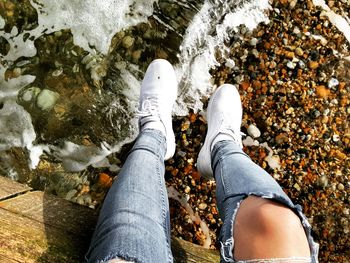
point(298, 211)
point(120, 255)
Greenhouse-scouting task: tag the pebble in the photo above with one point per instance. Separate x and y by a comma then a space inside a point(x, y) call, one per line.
point(323, 41)
point(289, 54)
point(299, 51)
point(281, 138)
point(71, 194)
point(333, 82)
point(296, 31)
point(297, 187)
point(291, 65)
point(249, 141)
point(340, 187)
point(323, 181)
point(202, 206)
point(301, 64)
point(313, 64)
point(230, 63)
point(46, 100)
point(128, 41)
point(336, 138)
point(253, 42)
point(27, 96)
point(322, 91)
point(187, 189)
point(87, 199)
point(253, 131)
point(80, 200)
point(181, 153)
point(290, 111)
point(292, 4)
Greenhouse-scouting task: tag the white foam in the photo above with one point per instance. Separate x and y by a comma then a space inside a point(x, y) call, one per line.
point(76, 158)
point(16, 129)
point(342, 23)
point(2, 22)
point(203, 37)
point(92, 23)
point(10, 88)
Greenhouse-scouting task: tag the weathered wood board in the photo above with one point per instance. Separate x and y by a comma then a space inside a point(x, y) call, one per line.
point(38, 227)
point(10, 188)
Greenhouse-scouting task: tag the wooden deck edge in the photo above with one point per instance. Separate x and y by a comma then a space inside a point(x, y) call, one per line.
point(38, 227)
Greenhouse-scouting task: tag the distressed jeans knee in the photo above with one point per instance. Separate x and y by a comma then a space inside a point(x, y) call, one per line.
point(238, 177)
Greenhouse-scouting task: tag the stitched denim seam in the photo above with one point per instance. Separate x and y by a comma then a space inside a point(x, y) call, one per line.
point(164, 223)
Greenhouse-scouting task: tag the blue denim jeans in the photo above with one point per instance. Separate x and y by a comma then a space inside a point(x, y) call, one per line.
point(134, 220)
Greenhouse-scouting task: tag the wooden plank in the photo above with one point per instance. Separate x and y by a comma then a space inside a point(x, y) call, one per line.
point(25, 240)
point(8, 260)
point(51, 210)
point(186, 252)
point(10, 188)
point(38, 227)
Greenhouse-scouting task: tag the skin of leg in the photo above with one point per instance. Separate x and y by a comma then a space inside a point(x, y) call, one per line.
point(267, 229)
point(259, 219)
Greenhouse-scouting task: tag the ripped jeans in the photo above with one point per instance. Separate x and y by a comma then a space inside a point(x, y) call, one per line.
point(237, 177)
point(134, 222)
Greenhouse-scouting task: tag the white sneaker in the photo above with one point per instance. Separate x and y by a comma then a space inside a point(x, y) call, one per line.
point(224, 118)
point(157, 97)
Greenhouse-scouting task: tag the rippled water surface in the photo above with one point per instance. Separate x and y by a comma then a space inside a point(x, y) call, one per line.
point(70, 72)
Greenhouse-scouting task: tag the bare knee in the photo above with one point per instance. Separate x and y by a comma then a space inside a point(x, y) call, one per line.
point(266, 229)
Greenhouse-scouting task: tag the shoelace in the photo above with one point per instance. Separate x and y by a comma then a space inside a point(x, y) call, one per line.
point(236, 137)
point(149, 107)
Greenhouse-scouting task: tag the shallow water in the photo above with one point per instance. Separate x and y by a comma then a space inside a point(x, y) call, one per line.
point(70, 73)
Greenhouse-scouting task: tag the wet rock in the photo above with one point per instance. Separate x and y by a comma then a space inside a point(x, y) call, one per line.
point(80, 200)
point(87, 199)
point(46, 100)
point(71, 194)
point(128, 41)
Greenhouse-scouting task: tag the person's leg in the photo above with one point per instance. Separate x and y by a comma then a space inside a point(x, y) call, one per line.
point(134, 220)
point(134, 224)
point(260, 221)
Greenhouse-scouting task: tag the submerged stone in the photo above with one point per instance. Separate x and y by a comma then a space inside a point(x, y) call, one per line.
point(47, 99)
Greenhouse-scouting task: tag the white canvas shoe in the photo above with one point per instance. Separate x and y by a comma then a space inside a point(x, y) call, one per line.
point(157, 97)
point(224, 118)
